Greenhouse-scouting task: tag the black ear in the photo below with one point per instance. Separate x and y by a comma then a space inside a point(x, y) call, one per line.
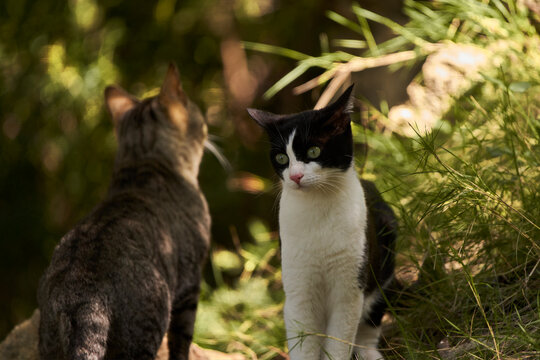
point(338, 119)
point(345, 103)
point(263, 118)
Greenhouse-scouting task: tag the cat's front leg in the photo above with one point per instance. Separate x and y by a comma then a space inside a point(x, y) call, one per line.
point(303, 322)
point(342, 325)
point(367, 338)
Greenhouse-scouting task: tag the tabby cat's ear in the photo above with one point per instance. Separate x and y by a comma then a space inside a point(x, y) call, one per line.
point(263, 118)
point(118, 102)
point(171, 90)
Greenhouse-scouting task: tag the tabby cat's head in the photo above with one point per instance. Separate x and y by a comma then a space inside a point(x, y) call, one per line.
point(167, 128)
point(311, 149)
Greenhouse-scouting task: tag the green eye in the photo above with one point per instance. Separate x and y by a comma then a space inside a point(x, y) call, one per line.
point(282, 159)
point(314, 152)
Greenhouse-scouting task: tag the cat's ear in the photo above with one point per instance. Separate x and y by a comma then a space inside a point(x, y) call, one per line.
point(263, 118)
point(339, 119)
point(171, 90)
point(118, 102)
point(345, 103)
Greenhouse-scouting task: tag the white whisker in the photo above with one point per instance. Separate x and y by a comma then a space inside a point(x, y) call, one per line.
point(224, 162)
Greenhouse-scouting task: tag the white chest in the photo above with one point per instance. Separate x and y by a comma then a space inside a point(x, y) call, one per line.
point(322, 235)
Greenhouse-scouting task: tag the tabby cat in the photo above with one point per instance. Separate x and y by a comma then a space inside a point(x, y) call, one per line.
point(337, 235)
point(130, 271)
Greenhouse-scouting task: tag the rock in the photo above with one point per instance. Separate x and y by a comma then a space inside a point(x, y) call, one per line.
point(198, 353)
point(447, 74)
point(22, 344)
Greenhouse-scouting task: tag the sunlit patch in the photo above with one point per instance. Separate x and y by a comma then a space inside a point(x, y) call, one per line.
point(11, 127)
point(86, 13)
point(151, 92)
point(164, 10)
point(51, 156)
point(247, 182)
point(228, 262)
point(165, 245)
point(255, 8)
point(60, 73)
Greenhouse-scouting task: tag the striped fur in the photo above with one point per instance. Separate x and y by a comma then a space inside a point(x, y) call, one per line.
point(130, 271)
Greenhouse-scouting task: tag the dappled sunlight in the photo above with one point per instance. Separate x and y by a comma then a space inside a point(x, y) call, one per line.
point(457, 156)
point(85, 12)
point(61, 74)
point(245, 315)
point(247, 182)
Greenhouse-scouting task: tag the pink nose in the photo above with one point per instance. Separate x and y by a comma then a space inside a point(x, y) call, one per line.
point(296, 178)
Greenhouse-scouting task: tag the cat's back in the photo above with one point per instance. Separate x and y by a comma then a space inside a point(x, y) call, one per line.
point(136, 227)
point(130, 256)
point(150, 192)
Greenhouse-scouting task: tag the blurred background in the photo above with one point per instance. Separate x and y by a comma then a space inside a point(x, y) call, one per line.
point(57, 146)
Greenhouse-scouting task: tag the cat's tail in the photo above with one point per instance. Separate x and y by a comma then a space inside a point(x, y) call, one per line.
point(83, 330)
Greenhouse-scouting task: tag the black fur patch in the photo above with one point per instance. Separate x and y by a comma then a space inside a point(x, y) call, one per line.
point(328, 128)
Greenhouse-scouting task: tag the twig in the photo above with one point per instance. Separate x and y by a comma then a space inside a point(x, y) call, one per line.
point(340, 72)
point(332, 89)
point(313, 83)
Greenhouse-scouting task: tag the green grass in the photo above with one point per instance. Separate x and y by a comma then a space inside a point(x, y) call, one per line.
point(470, 228)
point(246, 316)
point(467, 195)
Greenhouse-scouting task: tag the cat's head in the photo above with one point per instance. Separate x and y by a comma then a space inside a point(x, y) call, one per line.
point(167, 128)
point(311, 149)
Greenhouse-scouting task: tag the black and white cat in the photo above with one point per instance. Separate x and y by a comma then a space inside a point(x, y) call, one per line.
point(337, 235)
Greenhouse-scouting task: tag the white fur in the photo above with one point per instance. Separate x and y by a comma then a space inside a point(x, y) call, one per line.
point(322, 227)
point(367, 338)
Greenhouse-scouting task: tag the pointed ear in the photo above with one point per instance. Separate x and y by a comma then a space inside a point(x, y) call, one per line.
point(171, 89)
point(345, 102)
point(263, 118)
point(118, 102)
point(339, 119)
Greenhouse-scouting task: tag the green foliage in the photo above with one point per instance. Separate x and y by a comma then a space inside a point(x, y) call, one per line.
point(467, 194)
point(245, 316)
point(470, 229)
point(443, 21)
